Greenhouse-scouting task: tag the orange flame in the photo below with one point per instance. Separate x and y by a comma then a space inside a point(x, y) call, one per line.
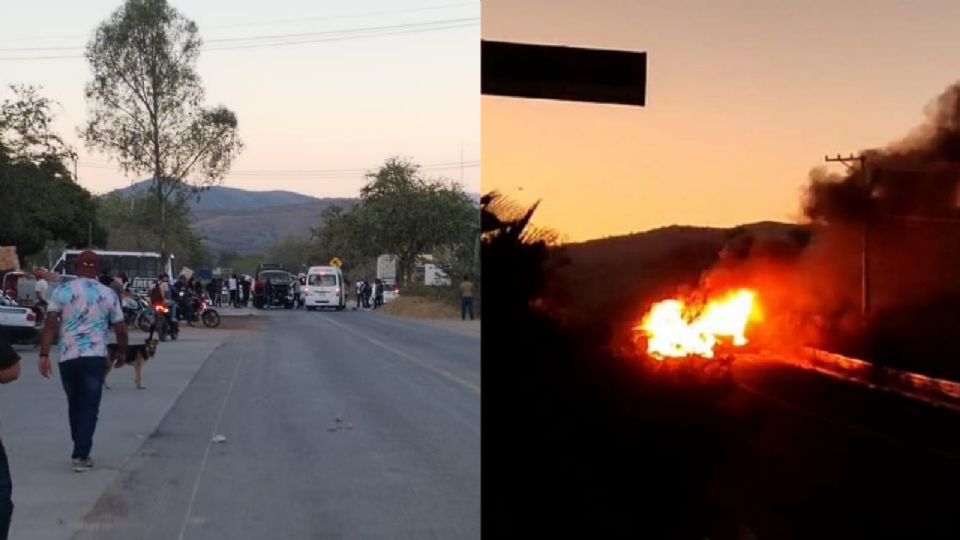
point(677, 330)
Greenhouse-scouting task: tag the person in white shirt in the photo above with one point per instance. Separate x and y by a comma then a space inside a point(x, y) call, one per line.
point(42, 288)
point(232, 284)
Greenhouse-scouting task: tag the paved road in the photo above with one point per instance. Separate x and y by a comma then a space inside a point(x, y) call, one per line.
point(402, 462)
point(821, 458)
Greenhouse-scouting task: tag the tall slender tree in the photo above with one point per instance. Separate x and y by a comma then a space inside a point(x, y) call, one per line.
point(146, 105)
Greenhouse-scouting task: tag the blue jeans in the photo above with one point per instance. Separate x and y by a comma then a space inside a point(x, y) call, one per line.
point(6, 495)
point(82, 380)
point(466, 305)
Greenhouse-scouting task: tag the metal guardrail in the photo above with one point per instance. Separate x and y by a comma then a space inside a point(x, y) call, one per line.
point(942, 392)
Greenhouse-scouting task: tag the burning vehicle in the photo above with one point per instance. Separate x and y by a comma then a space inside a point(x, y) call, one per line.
point(693, 337)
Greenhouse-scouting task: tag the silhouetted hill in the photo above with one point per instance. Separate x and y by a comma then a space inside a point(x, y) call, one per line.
point(614, 276)
point(227, 198)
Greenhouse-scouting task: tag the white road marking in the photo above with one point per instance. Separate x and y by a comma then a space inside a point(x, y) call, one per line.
point(206, 453)
point(442, 372)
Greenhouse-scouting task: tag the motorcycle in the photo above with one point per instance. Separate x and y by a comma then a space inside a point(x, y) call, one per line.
point(145, 315)
point(166, 325)
point(202, 309)
point(206, 312)
point(132, 307)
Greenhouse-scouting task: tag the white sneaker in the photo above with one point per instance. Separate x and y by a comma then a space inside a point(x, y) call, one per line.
point(82, 465)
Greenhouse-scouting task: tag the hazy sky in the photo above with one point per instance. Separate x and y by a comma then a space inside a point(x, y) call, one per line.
point(743, 99)
point(333, 108)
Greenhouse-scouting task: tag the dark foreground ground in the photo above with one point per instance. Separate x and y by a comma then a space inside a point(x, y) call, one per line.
point(592, 445)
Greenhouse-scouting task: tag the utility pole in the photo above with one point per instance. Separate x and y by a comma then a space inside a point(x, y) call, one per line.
point(74, 157)
point(865, 232)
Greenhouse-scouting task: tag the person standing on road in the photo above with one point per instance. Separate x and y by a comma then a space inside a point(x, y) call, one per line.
point(466, 298)
point(359, 294)
point(9, 372)
point(82, 312)
point(232, 284)
point(212, 291)
point(245, 289)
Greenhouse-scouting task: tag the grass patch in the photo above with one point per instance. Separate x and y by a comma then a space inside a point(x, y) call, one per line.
point(418, 307)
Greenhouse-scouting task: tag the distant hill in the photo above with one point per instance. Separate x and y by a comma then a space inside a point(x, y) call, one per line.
point(227, 198)
point(248, 222)
point(616, 276)
point(255, 230)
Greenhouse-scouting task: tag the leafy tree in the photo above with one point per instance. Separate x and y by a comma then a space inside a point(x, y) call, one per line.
point(408, 215)
point(42, 201)
point(146, 107)
point(293, 252)
point(403, 214)
point(346, 235)
point(130, 226)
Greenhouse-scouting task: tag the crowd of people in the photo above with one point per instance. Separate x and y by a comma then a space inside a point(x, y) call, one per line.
point(369, 296)
point(236, 289)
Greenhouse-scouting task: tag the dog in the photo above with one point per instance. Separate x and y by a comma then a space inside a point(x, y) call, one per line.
point(137, 356)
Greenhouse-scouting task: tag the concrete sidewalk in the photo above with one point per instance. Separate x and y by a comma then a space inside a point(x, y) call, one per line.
point(50, 500)
point(227, 311)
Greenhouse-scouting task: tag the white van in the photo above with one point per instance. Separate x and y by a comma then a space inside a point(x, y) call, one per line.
point(325, 288)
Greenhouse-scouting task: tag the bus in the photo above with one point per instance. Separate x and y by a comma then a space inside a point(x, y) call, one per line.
point(141, 267)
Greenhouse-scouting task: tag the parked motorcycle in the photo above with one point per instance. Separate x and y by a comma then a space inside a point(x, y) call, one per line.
point(145, 315)
point(132, 307)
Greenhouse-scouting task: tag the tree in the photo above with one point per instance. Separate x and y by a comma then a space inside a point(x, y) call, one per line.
point(25, 127)
point(129, 225)
point(42, 201)
point(292, 252)
point(346, 235)
point(146, 106)
point(408, 215)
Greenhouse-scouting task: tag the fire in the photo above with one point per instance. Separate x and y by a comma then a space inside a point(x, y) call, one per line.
point(675, 329)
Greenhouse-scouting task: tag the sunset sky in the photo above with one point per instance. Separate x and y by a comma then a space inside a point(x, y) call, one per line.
point(743, 99)
point(334, 108)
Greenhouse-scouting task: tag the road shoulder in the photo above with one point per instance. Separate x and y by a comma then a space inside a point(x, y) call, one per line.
point(50, 500)
point(464, 328)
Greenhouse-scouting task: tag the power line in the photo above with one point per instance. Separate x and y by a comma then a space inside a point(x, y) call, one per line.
point(346, 31)
point(336, 17)
point(271, 22)
point(298, 39)
point(331, 173)
point(344, 38)
point(271, 37)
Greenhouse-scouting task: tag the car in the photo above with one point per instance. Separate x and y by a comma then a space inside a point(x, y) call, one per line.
point(20, 286)
point(390, 293)
point(279, 283)
point(18, 323)
point(325, 288)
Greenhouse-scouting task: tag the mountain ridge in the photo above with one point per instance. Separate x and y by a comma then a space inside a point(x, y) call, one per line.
point(250, 222)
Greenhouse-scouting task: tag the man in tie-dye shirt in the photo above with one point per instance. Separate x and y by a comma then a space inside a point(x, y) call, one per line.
point(82, 310)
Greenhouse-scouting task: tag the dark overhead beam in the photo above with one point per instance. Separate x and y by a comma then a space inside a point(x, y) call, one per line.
point(563, 73)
